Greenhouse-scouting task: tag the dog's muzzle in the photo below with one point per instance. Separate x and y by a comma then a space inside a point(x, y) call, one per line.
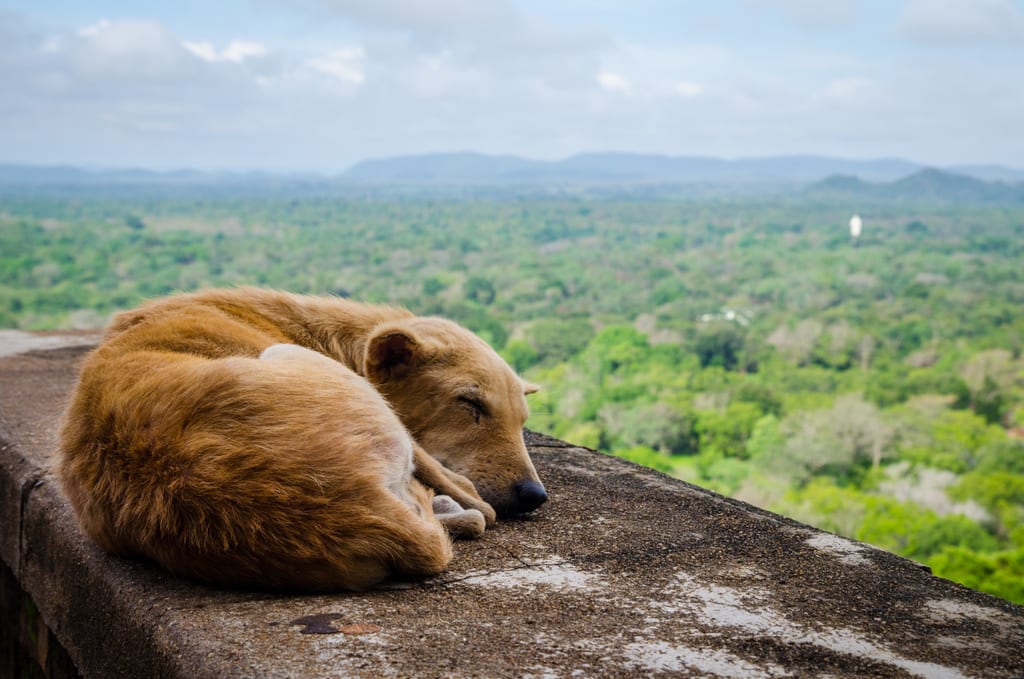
point(529, 496)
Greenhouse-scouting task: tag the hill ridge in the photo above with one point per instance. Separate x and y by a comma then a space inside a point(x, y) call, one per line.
point(595, 168)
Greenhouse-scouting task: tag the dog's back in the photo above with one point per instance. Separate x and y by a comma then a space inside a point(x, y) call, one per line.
point(184, 445)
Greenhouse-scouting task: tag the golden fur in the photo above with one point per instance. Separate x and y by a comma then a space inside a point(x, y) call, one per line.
point(253, 437)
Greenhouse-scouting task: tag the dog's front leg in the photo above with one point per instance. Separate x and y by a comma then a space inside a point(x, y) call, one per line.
point(435, 475)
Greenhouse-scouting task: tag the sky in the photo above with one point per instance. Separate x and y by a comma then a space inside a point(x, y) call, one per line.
point(317, 85)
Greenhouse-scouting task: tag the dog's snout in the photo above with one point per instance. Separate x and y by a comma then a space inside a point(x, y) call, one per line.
point(530, 495)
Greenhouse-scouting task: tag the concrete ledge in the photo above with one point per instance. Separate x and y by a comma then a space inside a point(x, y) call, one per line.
point(625, 572)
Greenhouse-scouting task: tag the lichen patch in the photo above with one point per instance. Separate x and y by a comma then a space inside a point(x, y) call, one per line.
point(847, 551)
point(554, 576)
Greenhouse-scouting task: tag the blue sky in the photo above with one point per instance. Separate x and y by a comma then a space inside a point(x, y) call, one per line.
point(320, 84)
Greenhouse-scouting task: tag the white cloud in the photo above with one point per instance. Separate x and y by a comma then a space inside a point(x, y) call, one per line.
point(685, 88)
point(93, 30)
point(427, 21)
point(122, 48)
point(613, 82)
point(952, 21)
point(344, 65)
point(656, 77)
point(812, 13)
point(852, 90)
point(398, 76)
point(51, 45)
point(203, 50)
point(238, 51)
point(124, 92)
point(442, 74)
point(235, 52)
point(492, 36)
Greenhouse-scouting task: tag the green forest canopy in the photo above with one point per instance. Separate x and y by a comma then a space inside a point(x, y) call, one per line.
point(872, 388)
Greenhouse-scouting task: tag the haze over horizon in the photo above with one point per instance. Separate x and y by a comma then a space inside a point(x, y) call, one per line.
point(320, 85)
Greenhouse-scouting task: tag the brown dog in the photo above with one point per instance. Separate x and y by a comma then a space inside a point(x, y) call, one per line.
point(252, 437)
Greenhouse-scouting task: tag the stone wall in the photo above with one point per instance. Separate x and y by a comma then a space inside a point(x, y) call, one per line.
point(625, 572)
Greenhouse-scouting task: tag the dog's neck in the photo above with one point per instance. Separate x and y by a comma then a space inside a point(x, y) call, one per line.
point(340, 328)
point(333, 326)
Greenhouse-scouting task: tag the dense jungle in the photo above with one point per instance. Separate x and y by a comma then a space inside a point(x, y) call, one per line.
point(872, 386)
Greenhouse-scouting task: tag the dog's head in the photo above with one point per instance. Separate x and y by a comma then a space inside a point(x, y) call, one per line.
point(461, 402)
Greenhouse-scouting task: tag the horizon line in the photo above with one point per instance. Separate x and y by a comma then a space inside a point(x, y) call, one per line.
point(328, 173)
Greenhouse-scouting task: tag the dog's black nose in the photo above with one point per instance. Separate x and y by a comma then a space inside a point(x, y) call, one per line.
point(530, 495)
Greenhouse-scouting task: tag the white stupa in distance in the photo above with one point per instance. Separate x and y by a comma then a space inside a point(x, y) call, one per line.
point(856, 224)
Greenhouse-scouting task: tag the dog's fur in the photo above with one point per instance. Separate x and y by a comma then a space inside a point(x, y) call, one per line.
point(253, 437)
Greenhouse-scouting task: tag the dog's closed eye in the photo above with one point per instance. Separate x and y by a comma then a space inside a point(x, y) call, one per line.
point(474, 405)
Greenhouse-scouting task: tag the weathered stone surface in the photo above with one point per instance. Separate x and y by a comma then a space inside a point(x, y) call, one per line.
point(33, 389)
point(624, 573)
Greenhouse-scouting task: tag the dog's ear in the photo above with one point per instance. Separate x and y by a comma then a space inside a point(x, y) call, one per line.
point(530, 388)
point(390, 354)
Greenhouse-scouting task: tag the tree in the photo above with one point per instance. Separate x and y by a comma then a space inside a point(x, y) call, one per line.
point(918, 533)
point(480, 290)
point(721, 344)
point(796, 343)
point(519, 354)
point(1000, 573)
point(766, 439)
point(989, 376)
point(831, 441)
point(656, 426)
point(728, 430)
point(557, 340)
point(860, 428)
point(433, 285)
point(761, 395)
point(643, 455)
point(615, 348)
point(837, 347)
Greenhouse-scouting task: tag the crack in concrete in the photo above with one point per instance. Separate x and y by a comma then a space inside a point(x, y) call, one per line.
point(515, 556)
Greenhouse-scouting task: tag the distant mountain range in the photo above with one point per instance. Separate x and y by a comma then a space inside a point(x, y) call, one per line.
point(818, 175)
point(617, 168)
point(596, 168)
point(924, 185)
point(67, 175)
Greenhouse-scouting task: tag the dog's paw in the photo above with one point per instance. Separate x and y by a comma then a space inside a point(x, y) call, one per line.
point(487, 511)
point(459, 522)
point(470, 499)
point(445, 505)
